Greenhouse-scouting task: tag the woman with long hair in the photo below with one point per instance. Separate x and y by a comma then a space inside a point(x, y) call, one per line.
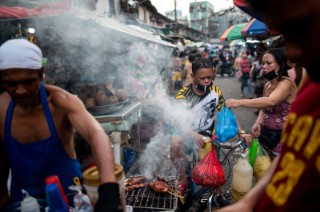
point(278, 94)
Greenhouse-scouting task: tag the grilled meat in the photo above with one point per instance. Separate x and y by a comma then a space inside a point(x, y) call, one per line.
point(130, 187)
point(159, 186)
point(135, 180)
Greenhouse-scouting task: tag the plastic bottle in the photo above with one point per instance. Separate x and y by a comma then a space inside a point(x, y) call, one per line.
point(55, 179)
point(81, 201)
point(203, 151)
point(253, 151)
point(54, 198)
point(29, 203)
point(242, 178)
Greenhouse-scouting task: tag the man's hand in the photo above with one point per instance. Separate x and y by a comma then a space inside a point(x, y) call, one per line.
point(198, 139)
point(247, 137)
point(109, 198)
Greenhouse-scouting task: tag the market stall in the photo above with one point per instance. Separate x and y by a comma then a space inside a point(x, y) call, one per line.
point(93, 57)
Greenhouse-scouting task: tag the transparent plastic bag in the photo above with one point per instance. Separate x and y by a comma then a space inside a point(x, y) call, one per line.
point(227, 126)
point(262, 162)
point(208, 172)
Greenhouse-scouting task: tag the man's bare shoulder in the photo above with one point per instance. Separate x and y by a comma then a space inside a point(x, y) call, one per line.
point(56, 92)
point(62, 98)
point(5, 100)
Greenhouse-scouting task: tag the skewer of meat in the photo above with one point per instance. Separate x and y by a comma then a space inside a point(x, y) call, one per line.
point(175, 194)
point(135, 180)
point(163, 187)
point(159, 186)
point(130, 187)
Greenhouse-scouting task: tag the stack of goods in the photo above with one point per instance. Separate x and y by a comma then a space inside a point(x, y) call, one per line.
point(99, 94)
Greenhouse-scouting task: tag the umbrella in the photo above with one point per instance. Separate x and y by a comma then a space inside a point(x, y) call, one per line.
point(245, 7)
point(236, 43)
point(254, 27)
point(233, 33)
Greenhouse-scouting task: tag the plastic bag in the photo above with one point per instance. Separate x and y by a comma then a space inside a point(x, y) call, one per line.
point(227, 126)
point(208, 172)
point(253, 151)
point(261, 163)
point(239, 74)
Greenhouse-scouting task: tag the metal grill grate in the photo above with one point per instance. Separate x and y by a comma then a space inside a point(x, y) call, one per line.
point(147, 199)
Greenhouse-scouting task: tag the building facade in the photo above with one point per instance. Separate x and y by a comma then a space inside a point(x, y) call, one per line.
point(200, 12)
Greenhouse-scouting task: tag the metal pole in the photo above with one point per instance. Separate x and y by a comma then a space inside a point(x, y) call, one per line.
point(175, 10)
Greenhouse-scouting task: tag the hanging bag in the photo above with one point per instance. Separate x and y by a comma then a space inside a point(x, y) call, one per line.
point(253, 151)
point(239, 74)
point(227, 126)
point(262, 162)
point(208, 172)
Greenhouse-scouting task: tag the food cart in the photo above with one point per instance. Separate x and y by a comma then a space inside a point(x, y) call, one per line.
point(85, 53)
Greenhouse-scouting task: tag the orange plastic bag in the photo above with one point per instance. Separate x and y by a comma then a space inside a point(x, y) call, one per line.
point(208, 172)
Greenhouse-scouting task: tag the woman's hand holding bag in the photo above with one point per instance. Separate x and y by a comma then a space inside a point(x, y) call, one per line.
point(227, 126)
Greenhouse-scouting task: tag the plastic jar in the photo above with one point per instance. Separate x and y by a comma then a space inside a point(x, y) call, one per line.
point(242, 178)
point(91, 183)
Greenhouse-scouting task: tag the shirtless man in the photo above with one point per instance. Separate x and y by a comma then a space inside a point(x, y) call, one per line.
point(36, 131)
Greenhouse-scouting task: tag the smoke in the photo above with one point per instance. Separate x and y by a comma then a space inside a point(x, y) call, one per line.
point(83, 49)
point(155, 160)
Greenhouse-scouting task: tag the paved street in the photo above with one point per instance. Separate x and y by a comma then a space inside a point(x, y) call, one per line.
point(230, 87)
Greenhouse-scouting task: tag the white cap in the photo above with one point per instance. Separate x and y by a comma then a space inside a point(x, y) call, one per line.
point(20, 53)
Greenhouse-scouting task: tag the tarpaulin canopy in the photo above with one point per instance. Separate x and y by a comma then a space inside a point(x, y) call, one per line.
point(119, 27)
point(51, 9)
point(64, 8)
point(233, 33)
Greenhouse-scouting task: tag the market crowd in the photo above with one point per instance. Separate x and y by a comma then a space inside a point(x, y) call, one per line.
point(37, 120)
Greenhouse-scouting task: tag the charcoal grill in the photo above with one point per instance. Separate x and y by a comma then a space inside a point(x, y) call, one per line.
point(146, 199)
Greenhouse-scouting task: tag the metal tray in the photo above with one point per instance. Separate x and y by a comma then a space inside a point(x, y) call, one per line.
point(106, 109)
